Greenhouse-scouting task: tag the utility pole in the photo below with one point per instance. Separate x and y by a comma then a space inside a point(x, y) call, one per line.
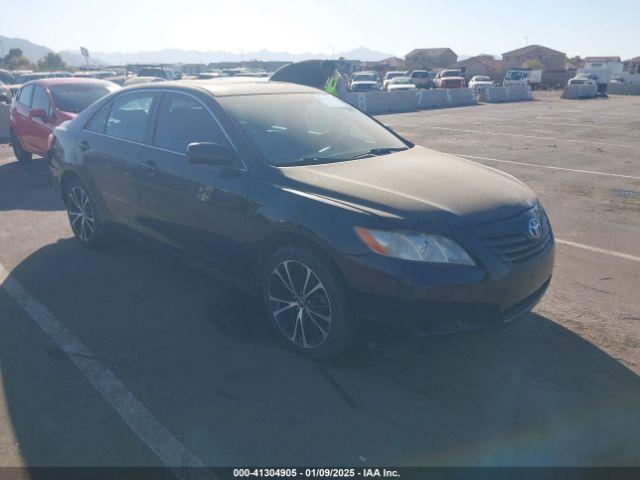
point(333, 52)
point(526, 40)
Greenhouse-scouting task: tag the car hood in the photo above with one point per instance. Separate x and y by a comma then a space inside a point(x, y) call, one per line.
point(401, 86)
point(417, 186)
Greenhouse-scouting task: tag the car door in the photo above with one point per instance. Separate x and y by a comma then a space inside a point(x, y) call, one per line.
point(40, 127)
point(110, 146)
point(20, 113)
point(198, 209)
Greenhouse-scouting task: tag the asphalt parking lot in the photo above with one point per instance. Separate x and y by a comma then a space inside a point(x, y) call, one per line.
point(125, 357)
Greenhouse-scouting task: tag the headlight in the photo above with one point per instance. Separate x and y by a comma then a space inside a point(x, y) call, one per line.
point(416, 247)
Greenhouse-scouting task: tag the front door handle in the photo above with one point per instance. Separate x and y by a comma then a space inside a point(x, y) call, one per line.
point(84, 146)
point(150, 167)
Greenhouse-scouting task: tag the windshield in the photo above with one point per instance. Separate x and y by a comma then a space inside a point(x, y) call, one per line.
point(419, 74)
point(74, 98)
point(482, 79)
point(31, 76)
point(365, 78)
point(153, 72)
point(514, 75)
point(298, 129)
point(452, 73)
point(391, 75)
point(401, 80)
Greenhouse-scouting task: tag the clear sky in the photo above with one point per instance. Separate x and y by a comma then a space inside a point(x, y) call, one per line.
point(577, 27)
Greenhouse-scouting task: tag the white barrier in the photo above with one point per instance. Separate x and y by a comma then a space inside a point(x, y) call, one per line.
point(431, 98)
point(633, 78)
point(573, 92)
point(392, 102)
point(461, 96)
point(4, 122)
point(506, 94)
point(382, 102)
point(623, 89)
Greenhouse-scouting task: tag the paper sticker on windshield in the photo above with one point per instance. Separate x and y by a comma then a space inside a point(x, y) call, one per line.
point(330, 100)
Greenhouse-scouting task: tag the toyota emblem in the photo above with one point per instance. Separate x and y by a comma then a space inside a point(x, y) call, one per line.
point(535, 228)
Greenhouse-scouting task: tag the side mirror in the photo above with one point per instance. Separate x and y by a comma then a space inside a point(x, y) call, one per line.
point(39, 113)
point(205, 153)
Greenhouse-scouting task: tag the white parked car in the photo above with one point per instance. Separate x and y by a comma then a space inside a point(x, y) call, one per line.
point(400, 83)
point(390, 76)
point(364, 82)
point(480, 82)
point(584, 79)
point(364, 86)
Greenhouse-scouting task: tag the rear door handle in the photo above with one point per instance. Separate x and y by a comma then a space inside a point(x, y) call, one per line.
point(84, 146)
point(150, 167)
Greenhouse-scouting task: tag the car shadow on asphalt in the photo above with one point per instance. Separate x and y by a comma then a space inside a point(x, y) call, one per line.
point(203, 360)
point(28, 186)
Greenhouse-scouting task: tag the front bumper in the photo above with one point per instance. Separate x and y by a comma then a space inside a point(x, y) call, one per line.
point(428, 298)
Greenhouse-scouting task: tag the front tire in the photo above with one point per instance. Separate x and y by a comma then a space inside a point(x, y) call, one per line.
point(21, 154)
point(305, 301)
point(83, 216)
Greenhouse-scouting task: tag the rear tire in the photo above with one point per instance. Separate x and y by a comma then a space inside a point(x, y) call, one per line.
point(83, 216)
point(305, 301)
point(21, 154)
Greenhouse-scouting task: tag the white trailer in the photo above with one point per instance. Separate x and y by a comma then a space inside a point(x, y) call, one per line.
point(603, 71)
point(521, 77)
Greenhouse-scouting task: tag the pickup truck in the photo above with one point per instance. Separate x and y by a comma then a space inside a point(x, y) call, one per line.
point(450, 79)
point(422, 78)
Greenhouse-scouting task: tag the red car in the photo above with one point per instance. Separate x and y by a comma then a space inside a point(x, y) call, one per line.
point(41, 105)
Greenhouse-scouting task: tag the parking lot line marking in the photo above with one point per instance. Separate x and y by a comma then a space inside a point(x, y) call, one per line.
point(513, 135)
point(144, 425)
point(605, 251)
point(551, 167)
point(511, 120)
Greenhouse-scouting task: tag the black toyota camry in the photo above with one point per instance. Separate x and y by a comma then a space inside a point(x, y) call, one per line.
point(335, 221)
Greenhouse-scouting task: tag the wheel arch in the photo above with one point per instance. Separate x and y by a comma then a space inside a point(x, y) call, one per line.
point(66, 178)
point(278, 240)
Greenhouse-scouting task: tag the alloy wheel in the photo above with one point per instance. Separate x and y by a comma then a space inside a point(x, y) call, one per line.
point(81, 213)
point(300, 304)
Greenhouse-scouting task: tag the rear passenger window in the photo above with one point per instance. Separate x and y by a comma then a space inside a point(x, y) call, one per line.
point(183, 120)
point(129, 116)
point(99, 122)
point(25, 95)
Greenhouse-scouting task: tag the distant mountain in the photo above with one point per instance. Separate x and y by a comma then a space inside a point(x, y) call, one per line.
point(77, 60)
point(35, 52)
point(365, 54)
point(32, 51)
point(195, 56)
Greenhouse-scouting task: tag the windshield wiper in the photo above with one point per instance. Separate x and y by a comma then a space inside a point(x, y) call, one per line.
point(374, 152)
point(312, 161)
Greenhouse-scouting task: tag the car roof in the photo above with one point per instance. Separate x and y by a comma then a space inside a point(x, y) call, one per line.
point(222, 87)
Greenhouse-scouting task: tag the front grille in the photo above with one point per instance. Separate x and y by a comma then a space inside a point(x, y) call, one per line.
point(515, 246)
